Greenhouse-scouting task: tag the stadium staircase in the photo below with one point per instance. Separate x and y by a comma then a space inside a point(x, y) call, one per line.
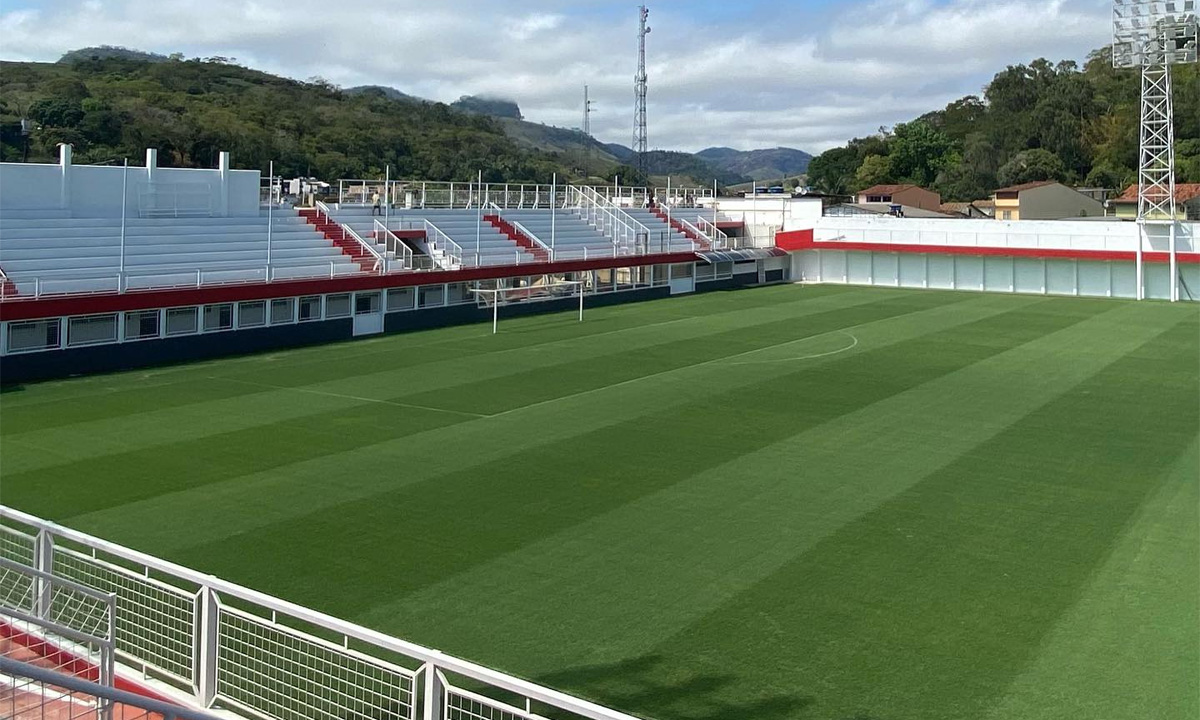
point(701, 243)
point(336, 234)
point(521, 239)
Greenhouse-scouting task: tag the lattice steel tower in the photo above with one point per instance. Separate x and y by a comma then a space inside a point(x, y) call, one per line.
point(640, 142)
point(1153, 35)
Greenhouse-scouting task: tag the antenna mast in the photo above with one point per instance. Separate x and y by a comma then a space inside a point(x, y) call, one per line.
point(587, 130)
point(640, 143)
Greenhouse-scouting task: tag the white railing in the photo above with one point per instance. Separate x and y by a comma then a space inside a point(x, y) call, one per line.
point(690, 228)
point(712, 233)
point(443, 251)
point(83, 282)
point(536, 240)
point(250, 651)
point(628, 236)
point(396, 246)
point(163, 199)
point(381, 263)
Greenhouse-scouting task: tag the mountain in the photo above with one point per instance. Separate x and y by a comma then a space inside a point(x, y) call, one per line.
point(619, 151)
point(390, 93)
point(769, 164)
point(687, 168)
point(494, 107)
point(104, 52)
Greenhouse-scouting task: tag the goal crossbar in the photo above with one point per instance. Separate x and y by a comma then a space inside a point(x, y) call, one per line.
point(495, 297)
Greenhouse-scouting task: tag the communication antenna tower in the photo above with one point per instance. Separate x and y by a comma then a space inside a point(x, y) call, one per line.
point(1154, 35)
point(640, 142)
point(587, 131)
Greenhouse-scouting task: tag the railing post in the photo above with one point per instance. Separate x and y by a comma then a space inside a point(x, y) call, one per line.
point(43, 561)
point(205, 642)
point(434, 692)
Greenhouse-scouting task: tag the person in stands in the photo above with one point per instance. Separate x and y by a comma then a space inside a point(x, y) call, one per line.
point(376, 205)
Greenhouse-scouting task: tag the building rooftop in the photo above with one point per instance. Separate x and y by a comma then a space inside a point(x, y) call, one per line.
point(1184, 192)
point(1027, 186)
point(886, 189)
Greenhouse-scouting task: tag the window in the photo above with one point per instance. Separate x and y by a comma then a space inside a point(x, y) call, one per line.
point(337, 306)
point(33, 335)
point(218, 317)
point(91, 330)
point(310, 308)
point(252, 314)
point(1006, 215)
point(283, 311)
point(401, 299)
point(457, 294)
point(430, 296)
point(182, 321)
point(367, 303)
point(141, 324)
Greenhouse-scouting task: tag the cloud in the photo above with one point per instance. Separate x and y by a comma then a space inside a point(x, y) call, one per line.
point(743, 75)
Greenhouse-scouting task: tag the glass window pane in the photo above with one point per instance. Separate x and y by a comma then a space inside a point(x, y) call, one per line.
point(33, 335)
point(218, 317)
point(283, 311)
point(92, 329)
point(337, 306)
point(252, 314)
point(310, 308)
point(401, 299)
point(181, 321)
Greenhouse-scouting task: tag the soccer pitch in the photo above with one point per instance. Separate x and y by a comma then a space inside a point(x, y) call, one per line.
point(790, 502)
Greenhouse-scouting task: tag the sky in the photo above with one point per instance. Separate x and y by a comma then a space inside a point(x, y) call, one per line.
point(808, 74)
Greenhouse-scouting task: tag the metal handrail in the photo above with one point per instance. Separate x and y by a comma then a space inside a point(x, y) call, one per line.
point(403, 250)
point(380, 261)
point(711, 231)
point(620, 228)
point(690, 227)
point(433, 660)
point(537, 240)
point(113, 696)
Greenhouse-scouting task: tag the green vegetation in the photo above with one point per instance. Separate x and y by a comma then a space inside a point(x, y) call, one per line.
point(1040, 121)
point(810, 503)
point(114, 106)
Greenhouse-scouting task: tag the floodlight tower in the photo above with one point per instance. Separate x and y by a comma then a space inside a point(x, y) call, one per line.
point(1153, 35)
point(640, 141)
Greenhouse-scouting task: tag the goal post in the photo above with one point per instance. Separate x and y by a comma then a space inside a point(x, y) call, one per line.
point(547, 289)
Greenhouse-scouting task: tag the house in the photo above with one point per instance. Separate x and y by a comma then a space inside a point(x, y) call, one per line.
point(881, 209)
point(1187, 202)
point(907, 195)
point(977, 210)
point(1044, 200)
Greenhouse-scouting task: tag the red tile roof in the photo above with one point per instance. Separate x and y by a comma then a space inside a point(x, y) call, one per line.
point(1184, 192)
point(885, 189)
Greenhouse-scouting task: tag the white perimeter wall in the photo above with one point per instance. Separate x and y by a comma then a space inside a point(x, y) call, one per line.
point(95, 190)
point(1086, 278)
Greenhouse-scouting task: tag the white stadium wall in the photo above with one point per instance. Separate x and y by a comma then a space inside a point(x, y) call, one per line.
point(71, 190)
point(1073, 258)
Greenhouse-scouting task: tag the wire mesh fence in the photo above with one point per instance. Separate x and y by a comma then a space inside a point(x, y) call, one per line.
point(236, 648)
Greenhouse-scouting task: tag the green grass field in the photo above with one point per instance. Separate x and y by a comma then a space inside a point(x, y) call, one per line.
point(791, 502)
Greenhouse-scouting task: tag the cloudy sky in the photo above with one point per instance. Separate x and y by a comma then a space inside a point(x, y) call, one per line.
point(743, 73)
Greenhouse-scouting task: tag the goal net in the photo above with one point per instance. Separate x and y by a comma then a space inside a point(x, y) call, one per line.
point(495, 294)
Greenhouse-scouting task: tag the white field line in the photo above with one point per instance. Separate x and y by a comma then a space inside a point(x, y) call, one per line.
point(358, 398)
point(848, 348)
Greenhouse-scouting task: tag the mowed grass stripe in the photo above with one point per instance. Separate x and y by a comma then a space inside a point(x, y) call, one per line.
point(741, 520)
point(60, 402)
point(928, 607)
point(1132, 642)
point(410, 539)
point(258, 499)
point(154, 436)
point(408, 372)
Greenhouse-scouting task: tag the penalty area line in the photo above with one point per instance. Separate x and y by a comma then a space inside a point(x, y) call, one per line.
point(848, 348)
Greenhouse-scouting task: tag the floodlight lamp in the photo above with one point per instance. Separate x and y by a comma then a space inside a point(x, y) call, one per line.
point(1154, 32)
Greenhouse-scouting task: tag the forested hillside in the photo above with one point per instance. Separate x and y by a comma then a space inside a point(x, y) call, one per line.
point(1041, 121)
point(114, 107)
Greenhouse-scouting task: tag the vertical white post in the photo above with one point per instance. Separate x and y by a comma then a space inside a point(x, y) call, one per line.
point(43, 561)
point(1174, 266)
point(1140, 294)
point(124, 212)
point(433, 693)
point(387, 193)
point(478, 221)
point(206, 630)
point(224, 169)
point(270, 213)
point(553, 202)
point(64, 166)
point(716, 232)
point(579, 287)
point(495, 309)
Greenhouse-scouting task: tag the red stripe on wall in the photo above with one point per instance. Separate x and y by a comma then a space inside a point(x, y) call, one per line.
point(20, 309)
point(803, 240)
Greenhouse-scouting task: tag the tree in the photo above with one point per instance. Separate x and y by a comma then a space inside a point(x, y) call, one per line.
point(832, 172)
point(56, 112)
point(1108, 176)
point(875, 170)
point(629, 175)
point(1032, 166)
point(919, 152)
